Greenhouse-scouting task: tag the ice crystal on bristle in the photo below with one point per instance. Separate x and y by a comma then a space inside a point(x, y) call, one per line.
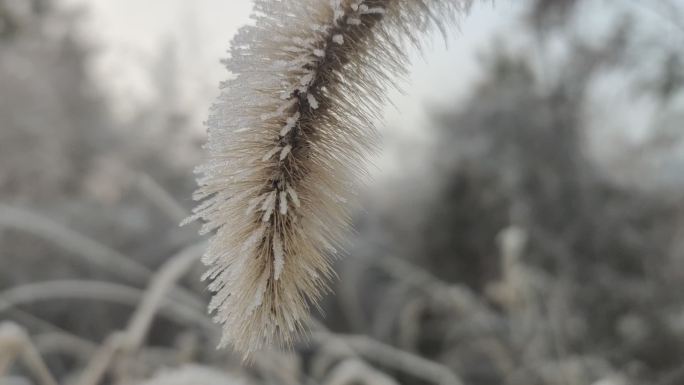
point(285, 151)
point(273, 151)
point(278, 256)
point(293, 195)
point(312, 101)
point(283, 203)
point(286, 145)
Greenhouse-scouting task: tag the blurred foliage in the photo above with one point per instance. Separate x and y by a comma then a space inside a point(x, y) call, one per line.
point(580, 270)
point(65, 154)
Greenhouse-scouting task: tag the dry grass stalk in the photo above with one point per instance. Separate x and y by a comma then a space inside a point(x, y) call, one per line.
point(195, 375)
point(402, 360)
point(131, 339)
point(15, 342)
point(287, 143)
point(372, 350)
point(159, 287)
point(160, 197)
point(64, 343)
point(89, 250)
point(101, 291)
point(352, 371)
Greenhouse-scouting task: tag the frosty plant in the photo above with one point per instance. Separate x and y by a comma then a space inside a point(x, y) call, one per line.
point(286, 145)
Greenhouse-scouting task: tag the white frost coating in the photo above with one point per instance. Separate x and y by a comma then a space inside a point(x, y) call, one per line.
point(270, 154)
point(312, 101)
point(293, 49)
point(311, 272)
point(338, 11)
point(306, 79)
point(254, 202)
point(320, 28)
point(260, 290)
point(190, 219)
point(319, 53)
point(280, 64)
point(293, 195)
point(290, 123)
point(354, 21)
point(253, 239)
point(283, 202)
point(374, 10)
point(290, 103)
point(270, 198)
point(286, 150)
point(268, 206)
point(210, 273)
point(278, 112)
point(303, 42)
point(328, 246)
point(338, 39)
point(338, 15)
point(278, 256)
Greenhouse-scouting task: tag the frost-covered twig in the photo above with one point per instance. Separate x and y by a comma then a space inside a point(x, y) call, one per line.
point(390, 356)
point(287, 143)
point(195, 375)
point(98, 365)
point(96, 290)
point(85, 248)
point(53, 339)
point(159, 287)
point(93, 252)
point(132, 338)
point(15, 342)
point(352, 371)
point(402, 360)
point(459, 296)
point(53, 342)
point(160, 197)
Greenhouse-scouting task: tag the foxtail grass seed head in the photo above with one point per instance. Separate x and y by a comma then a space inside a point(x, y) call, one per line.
point(287, 140)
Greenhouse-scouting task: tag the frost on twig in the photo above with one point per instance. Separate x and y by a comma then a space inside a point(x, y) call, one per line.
point(84, 248)
point(15, 343)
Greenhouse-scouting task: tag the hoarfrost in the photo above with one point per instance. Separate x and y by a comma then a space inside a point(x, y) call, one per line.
point(286, 150)
point(293, 195)
point(290, 123)
point(270, 154)
point(283, 202)
point(312, 101)
point(260, 290)
point(268, 206)
point(278, 256)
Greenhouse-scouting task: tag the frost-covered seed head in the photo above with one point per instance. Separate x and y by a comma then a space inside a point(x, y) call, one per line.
point(286, 146)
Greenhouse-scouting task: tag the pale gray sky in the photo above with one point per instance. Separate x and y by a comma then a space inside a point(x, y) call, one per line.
point(130, 36)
